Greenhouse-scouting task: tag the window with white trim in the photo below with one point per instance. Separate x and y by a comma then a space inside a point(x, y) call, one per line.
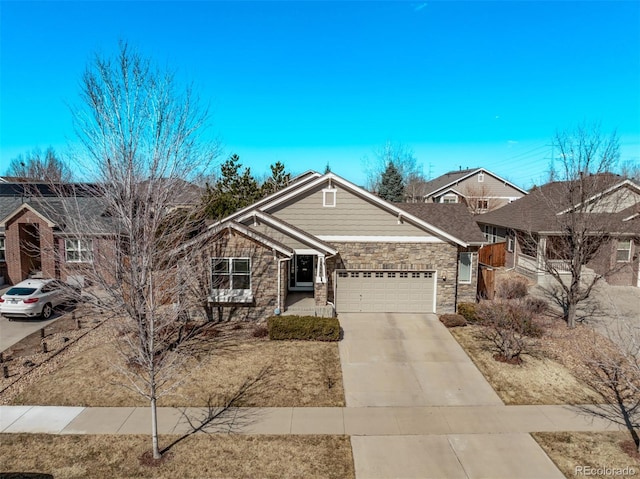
point(329, 197)
point(2, 250)
point(480, 177)
point(449, 199)
point(510, 244)
point(231, 279)
point(78, 250)
point(623, 251)
point(464, 267)
point(482, 205)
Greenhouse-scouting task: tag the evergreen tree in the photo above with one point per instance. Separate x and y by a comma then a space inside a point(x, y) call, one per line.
point(232, 191)
point(391, 184)
point(279, 179)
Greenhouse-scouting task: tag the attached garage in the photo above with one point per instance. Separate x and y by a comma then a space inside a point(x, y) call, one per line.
point(385, 291)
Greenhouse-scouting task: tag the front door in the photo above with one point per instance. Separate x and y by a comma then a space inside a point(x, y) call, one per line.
point(302, 273)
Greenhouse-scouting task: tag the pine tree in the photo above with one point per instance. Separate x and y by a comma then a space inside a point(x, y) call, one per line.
point(391, 184)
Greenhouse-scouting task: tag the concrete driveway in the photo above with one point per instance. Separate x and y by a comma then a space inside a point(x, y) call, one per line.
point(405, 359)
point(393, 362)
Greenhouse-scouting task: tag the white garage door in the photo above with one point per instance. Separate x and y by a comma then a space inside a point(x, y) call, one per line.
point(386, 291)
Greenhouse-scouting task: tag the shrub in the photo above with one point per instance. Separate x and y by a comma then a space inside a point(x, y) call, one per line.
point(512, 289)
point(260, 331)
point(536, 305)
point(509, 328)
point(308, 328)
point(515, 315)
point(468, 311)
point(453, 320)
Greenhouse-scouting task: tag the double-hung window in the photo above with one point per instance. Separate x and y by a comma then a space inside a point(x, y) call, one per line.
point(231, 279)
point(2, 250)
point(623, 251)
point(78, 250)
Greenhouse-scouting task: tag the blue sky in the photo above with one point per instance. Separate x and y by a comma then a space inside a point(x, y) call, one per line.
point(463, 84)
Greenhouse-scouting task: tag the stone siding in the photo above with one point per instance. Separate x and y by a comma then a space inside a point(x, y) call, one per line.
point(440, 257)
point(467, 292)
point(264, 276)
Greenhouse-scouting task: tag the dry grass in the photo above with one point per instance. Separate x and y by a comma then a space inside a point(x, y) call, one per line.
point(538, 380)
point(199, 456)
point(569, 450)
point(300, 374)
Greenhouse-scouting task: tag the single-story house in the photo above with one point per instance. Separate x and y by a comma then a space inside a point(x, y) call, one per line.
point(533, 227)
point(342, 249)
point(480, 189)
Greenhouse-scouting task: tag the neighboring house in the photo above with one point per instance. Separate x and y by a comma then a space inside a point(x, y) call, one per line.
point(343, 249)
point(528, 228)
point(477, 188)
point(35, 231)
point(39, 225)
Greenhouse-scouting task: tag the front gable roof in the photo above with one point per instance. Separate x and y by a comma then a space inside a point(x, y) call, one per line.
point(452, 178)
point(218, 228)
point(290, 230)
point(20, 209)
point(297, 190)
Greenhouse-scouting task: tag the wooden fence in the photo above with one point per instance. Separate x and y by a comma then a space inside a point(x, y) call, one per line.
point(493, 254)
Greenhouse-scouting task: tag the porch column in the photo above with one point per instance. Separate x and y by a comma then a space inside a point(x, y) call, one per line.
point(320, 283)
point(541, 255)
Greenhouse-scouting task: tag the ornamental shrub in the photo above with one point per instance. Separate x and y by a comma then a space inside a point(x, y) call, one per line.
point(306, 328)
point(468, 311)
point(453, 320)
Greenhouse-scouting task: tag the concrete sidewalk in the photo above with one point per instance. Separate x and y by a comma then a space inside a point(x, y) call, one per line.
point(367, 421)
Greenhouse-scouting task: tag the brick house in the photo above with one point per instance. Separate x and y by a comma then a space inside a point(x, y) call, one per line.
point(37, 238)
point(335, 247)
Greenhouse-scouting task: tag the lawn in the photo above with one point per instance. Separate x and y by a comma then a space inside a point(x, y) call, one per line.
point(198, 456)
point(540, 379)
point(571, 450)
point(299, 373)
point(552, 375)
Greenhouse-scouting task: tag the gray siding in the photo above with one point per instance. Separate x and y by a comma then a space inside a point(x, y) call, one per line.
point(490, 187)
point(352, 215)
point(276, 235)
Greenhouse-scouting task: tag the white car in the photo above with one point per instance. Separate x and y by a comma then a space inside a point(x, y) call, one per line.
point(33, 297)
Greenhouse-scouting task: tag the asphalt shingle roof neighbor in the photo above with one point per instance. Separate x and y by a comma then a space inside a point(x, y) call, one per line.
point(450, 177)
point(538, 211)
point(454, 218)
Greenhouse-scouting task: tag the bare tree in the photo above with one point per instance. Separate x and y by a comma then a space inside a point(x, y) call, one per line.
point(142, 136)
point(582, 220)
point(402, 158)
point(34, 165)
point(613, 373)
point(478, 198)
point(415, 188)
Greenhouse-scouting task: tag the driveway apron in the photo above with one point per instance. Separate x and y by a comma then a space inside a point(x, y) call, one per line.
point(409, 361)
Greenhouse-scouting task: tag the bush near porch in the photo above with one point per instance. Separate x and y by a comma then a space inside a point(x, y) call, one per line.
point(306, 328)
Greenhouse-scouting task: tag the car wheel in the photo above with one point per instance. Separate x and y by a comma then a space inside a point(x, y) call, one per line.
point(47, 310)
